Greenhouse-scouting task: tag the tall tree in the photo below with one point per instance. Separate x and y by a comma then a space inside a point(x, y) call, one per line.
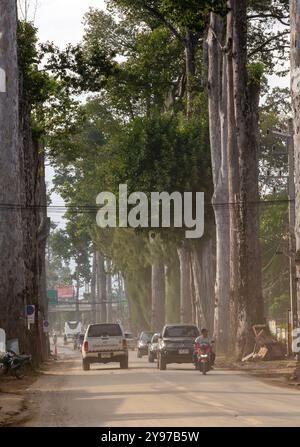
point(295, 91)
point(246, 98)
point(12, 281)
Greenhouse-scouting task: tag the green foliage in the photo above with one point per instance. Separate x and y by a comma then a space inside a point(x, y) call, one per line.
point(280, 306)
point(193, 14)
point(37, 85)
point(275, 248)
point(256, 73)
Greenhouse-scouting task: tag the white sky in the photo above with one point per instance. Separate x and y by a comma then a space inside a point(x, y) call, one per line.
point(61, 20)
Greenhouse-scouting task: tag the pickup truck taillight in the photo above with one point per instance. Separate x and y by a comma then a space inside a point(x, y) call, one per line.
point(124, 343)
point(86, 346)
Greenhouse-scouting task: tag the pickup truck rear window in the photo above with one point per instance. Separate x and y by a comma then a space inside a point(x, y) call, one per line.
point(181, 331)
point(105, 330)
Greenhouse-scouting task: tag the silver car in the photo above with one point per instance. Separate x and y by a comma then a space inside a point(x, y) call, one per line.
point(131, 340)
point(152, 350)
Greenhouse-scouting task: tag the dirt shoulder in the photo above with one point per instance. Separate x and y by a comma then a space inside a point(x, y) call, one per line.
point(276, 372)
point(13, 405)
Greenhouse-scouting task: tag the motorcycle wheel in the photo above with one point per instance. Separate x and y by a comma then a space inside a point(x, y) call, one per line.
point(204, 368)
point(19, 373)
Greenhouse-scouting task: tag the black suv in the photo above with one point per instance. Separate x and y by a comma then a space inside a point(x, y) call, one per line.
point(176, 344)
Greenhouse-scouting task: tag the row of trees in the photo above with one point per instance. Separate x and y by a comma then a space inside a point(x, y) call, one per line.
point(180, 113)
point(172, 104)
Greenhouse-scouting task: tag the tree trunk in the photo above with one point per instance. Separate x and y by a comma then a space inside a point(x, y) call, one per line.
point(77, 313)
point(158, 297)
point(295, 91)
point(190, 58)
point(101, 282)
point(217, 90)
point(185, 286)
point(202, 269)
point(12, 299)
point(93, 290)
point(43, 232)
point(173, 288)
point(109, 292)
point(250, 305)
point(233, 188)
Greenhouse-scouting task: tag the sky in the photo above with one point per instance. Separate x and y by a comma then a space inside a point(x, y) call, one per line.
point(61, 21)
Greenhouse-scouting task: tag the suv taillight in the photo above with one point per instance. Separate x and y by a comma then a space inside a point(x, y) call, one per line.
point(86, 346)
point(124, 343)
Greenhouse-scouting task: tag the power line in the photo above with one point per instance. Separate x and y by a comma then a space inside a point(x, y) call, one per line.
point(94, 208)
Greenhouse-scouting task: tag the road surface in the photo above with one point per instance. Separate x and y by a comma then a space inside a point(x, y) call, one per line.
point(143, 396)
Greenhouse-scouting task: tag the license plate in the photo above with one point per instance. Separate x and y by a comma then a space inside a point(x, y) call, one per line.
point(183, 351)
point(105, 355)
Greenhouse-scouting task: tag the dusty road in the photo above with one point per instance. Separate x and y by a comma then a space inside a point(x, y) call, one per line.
point(144, 396)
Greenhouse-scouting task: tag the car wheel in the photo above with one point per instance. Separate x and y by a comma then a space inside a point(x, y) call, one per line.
point(150, 358)
point(86, 365)
point(124, 363)
point(162, 363)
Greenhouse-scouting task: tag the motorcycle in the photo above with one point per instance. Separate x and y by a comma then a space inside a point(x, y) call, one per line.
point(13, 364)
point(203, 357)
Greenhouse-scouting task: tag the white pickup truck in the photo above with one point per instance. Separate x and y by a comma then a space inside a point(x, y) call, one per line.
point(104, 343)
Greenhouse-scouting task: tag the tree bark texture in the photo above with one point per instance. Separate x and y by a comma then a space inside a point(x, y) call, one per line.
point(12, 280)
point(185, 286)
point(158, 297)
point(217, 90)
point(250, 301)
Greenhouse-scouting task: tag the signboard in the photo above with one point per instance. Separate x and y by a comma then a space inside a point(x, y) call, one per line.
point(65, 293)
point(52, 296)
point(2, 340)
point(46, 326)
point(30, 312)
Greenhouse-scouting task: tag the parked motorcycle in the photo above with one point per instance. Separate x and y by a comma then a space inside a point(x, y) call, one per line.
point(13, 364)
point(203, 357)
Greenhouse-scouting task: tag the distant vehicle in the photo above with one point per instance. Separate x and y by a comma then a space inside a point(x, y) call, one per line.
point(72, 328)
point(131, 341)
point(104, 343)
point(80, 340)
point(176, 344)
point(143, 343)
point(152, 350)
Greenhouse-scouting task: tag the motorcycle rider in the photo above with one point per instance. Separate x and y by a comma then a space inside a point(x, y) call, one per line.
point(206, 340)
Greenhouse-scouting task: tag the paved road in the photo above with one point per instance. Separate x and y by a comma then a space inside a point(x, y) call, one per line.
point(145, 396)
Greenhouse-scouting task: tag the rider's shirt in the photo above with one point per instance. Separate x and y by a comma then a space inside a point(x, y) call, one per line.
point(204, 340)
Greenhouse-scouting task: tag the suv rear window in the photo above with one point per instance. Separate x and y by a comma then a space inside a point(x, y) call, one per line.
point(146, 336)
point(105, 330)
point(181, 331)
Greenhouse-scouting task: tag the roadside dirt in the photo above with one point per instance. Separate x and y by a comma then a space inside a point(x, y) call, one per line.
point(277, 372)
point(13, 406)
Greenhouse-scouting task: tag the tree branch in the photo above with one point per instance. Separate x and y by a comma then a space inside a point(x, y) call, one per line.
point(264, 44)
point(166, 22)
